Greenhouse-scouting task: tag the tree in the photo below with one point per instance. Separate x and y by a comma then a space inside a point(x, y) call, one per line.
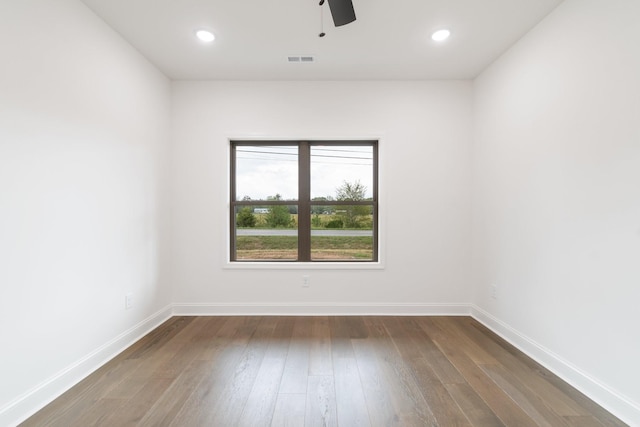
point(278, 215)
point(352, 215)
point(246, 218)
point(349, 191)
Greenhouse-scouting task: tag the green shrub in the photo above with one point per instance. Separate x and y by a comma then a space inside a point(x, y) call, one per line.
point(246, 218)
point(335, 223)
point(279, 216)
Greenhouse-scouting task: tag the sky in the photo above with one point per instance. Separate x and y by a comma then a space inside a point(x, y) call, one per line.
point(263, 171)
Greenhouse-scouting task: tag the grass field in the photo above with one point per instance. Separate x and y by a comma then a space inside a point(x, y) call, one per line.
point(322, 247)
point(318, 221)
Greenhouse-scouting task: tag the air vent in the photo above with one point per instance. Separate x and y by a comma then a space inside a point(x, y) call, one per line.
point(307, 59)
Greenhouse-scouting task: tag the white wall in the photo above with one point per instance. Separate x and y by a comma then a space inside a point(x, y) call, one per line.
point(425, 168)
point(83, 133)
point(557, 196)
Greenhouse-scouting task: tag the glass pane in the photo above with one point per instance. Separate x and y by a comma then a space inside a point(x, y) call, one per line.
point(266, 233)
point(342, 233)
point(266, 172)
point(341, 172)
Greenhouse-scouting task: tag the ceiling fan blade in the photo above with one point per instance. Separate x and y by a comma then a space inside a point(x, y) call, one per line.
point(342, 12)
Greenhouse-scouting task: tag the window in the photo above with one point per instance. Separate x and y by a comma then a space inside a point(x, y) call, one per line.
point(304, 201)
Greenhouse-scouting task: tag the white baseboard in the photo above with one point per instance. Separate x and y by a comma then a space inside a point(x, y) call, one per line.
point(320, 309)
point(619, 405)
point(24, 406)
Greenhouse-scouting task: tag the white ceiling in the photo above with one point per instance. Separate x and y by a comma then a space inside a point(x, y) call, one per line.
point(389, 40)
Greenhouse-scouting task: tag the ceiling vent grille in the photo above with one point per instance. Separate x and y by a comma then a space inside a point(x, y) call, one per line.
point(300, 59)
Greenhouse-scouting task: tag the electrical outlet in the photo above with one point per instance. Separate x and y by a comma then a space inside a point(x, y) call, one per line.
point(494, 291)
point(305, 281)
point(128, 301)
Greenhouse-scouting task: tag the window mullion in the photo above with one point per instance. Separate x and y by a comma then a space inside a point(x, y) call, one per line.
point(232, 210)
point(304, 207)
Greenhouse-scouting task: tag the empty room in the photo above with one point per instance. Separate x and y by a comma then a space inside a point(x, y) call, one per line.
point(299, 212)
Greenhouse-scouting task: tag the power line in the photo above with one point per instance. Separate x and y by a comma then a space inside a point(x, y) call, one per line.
point(267, 152)
point(312, 155)
point(268, 158)
point(315, 163)
point(340, 151)
point(294, 148)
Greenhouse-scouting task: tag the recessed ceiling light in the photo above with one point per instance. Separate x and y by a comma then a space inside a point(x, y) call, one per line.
point(205, 35)
point(440, 35)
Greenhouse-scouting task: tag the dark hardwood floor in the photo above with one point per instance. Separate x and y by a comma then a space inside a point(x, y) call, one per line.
point(322, 371)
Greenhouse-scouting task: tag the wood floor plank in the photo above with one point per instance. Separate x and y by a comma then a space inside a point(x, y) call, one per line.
point(289, 410)
point(196, 387)
point(445, 409)
point(134, 409)
point(320, 362)
point(168, 364)
point(529, 373)
point(167, 407)
point(563, 399)
point(320, 407)
point(410, 407)
point(340, 337)
point(223, 357)
point(356, 327)
point(82, 398)
point(233, 397)
point(178, 355)
point(475, 352)
point(409, 340)
point(261, 402)
point(475, 409)
point(445, 371)
point(582, 421)
point(376, 391)
point(351, 405)
point(260, 405)
point(130, 385)
point(296, 371)
point(159, 337)
point(235, 332)
point(345, 370)
point(97, 414)
point(530, 402)
point(499, 402)
point(418, 345)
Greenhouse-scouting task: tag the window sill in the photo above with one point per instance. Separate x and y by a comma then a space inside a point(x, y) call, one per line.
point(284, 265)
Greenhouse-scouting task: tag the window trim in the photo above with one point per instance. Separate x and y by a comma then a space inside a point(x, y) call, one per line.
point(304, 204)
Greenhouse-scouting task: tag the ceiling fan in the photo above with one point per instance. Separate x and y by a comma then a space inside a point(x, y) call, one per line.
point(342, 12)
